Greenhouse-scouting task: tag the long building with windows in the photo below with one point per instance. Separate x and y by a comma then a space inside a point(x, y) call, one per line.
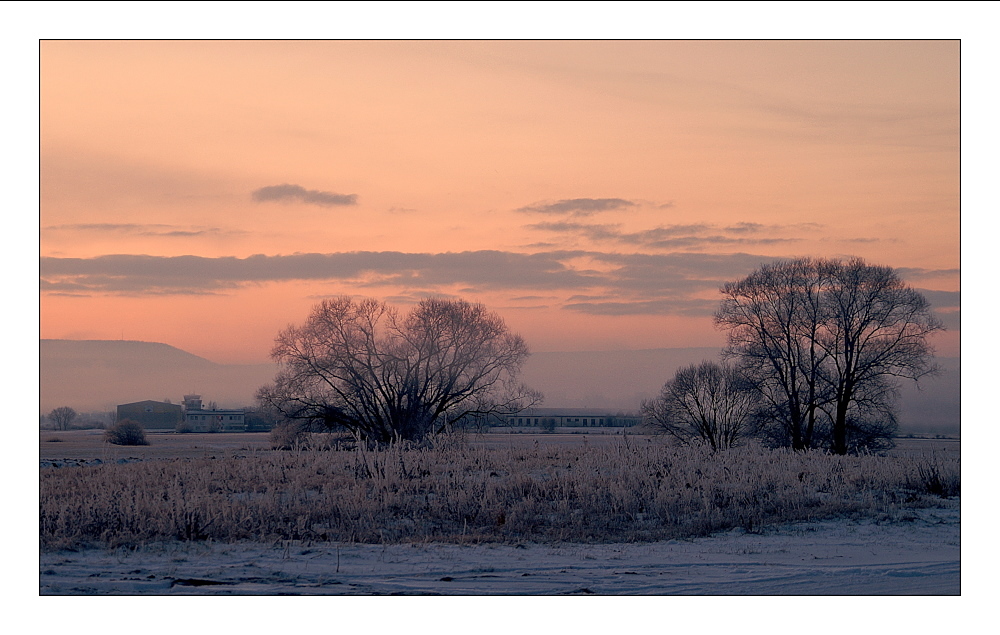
point(197, 419)
point(548, 418)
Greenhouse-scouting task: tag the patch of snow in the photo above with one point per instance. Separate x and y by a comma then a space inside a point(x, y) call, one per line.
point(916, 553)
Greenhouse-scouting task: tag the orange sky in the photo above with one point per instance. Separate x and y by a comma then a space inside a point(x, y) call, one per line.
point(596, 194)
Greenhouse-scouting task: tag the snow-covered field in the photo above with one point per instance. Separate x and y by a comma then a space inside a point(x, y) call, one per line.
point(916, 553)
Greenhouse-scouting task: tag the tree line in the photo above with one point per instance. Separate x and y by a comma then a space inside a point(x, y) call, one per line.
point(815, 350)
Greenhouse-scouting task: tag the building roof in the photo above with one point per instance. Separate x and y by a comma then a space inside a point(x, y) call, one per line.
point(569, 412)
point(150, 401)
point(217, 411)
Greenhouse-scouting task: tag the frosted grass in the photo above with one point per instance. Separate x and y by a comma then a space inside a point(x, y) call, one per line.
point(623, 493)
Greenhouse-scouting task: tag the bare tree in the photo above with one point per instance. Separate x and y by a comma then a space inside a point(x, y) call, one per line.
point(824, 341)
point(710, 402)
point(874, 328)
point(773, 316)
point(62, 417)
point(363, 366)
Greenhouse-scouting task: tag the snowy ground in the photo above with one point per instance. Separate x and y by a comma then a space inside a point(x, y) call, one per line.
point(916, 554)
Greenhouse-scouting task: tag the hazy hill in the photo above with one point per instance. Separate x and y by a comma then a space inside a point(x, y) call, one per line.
point(93, 375)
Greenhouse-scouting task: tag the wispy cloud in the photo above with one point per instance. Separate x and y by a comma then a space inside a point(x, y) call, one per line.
point(578, 206)
point(581, 281)
point(592, 282)
point(146, 229)
point(291, 192)
point(671, 306)
point(746, 228)
point(913, 274)
point(943, 300)
point(672, 236)
point(196, 274)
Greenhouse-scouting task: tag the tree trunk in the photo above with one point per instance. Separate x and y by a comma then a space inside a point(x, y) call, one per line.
point(840, 426)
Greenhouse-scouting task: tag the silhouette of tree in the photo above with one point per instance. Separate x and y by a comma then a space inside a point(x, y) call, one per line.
point(825, 341)
point(385, 377)
point(62, 417)
point(709, 402)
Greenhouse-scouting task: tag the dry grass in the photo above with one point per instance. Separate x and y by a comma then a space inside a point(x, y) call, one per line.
point(621, 492)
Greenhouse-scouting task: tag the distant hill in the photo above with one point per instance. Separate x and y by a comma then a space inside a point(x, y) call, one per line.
point(97, 375)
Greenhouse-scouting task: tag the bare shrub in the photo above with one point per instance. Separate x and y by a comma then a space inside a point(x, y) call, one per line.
point(937, 480)
point(707, 402)
point(457, 493)
point(126, 432)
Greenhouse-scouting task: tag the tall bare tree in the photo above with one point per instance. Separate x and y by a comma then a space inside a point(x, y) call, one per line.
point(384, 376)
point(874, 328)
point(825, 341)
point(773, 317)
point(709, 402)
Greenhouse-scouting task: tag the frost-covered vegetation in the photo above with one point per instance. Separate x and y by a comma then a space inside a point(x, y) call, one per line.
point(126, 432)
point(631, 491)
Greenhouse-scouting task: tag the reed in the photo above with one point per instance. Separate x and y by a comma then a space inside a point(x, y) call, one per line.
point(456, 493)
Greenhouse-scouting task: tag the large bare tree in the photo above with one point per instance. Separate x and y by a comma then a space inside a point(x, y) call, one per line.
point(362, 365)
point(708, 402)
point(772, 317)
point(874, 328)
point(825, 341)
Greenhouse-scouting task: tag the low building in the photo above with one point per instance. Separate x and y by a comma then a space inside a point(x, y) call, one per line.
point(152, 415)
point(215, 420)
point(198, 419)
point(548, 418)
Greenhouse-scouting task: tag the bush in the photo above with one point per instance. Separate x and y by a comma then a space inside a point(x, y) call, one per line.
point(126, 432)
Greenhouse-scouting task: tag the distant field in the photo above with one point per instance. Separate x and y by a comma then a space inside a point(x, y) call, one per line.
point(88, 445)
